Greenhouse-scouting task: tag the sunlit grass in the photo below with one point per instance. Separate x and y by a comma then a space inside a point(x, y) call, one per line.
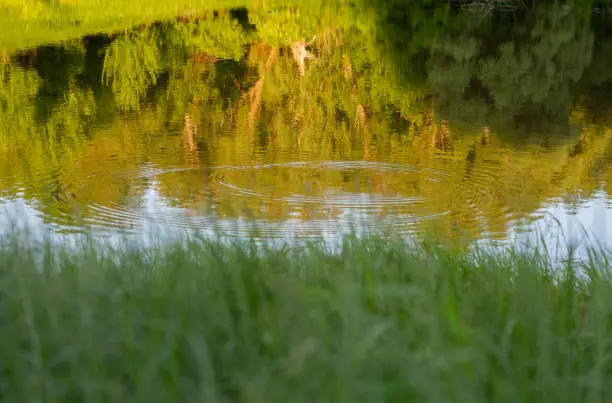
point(376, 321)
point(29, 23)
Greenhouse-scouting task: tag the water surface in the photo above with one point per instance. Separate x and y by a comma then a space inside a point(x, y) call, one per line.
point(316, 120)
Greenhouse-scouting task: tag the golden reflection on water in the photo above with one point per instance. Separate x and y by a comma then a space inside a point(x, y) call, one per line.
point(118, 131)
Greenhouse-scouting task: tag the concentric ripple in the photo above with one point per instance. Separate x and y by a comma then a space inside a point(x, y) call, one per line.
point(234, 180)
point(276, 200)
point(294, 198)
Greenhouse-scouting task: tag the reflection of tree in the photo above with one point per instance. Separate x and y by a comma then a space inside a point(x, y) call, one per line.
point(71, 120)
point(65, 105)
point(280, 25)
point(45, 117)
point(18, 89)
point(528, 68)
point(218, 95)
point(296, 26)
point(218, 35)
point(560, 47)
point(131, 66)
point(5, 57)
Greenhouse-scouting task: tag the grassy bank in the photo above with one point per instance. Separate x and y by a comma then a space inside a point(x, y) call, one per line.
point(29, 23)
point(377, 322)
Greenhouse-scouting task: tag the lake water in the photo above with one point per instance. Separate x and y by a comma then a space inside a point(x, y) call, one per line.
point(473, 124)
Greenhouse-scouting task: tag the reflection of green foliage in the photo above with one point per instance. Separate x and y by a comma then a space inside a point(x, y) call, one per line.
point(281, 22)
point(353, 101)
point(191, 84)
point(18, 89)
point(34, 146)
point(71, 120)
point(406, 31)
point(170, 41)
point(291, 21)
point(519, 68)
point(377, 81)
point(560, 48)
point(219, 36)
point(59, 67)
point(130, 67)
point(352, 78)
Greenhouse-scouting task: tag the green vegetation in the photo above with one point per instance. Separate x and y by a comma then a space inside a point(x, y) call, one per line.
point(27, 23)
point(376, 321)
point(225, 88)
point(155, 86)
point(130, 67)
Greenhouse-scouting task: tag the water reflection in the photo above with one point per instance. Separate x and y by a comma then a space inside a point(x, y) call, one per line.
point(474, 124)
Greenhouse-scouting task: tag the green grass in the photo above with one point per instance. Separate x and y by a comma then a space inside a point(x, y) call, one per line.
point(29, 23)
point(377, 321)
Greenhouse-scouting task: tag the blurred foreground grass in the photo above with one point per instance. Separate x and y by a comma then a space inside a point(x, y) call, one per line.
point(376, 321)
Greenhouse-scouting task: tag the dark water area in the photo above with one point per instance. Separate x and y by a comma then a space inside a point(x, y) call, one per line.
point(485, 121)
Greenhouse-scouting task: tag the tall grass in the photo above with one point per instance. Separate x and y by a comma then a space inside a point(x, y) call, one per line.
point(376, 321)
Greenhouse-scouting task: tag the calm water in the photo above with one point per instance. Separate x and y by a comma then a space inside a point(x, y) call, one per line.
point(479, 124)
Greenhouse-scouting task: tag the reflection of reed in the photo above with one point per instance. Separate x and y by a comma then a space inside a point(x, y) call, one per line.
point(442, 139)
point(255, 99)
point(360, 113)
point(256, 91)
point(190, 130)
point(201, 198)
point(486, 135)
point(301, 53)
point(362, 124)
point(202, 59)
point(191, 15)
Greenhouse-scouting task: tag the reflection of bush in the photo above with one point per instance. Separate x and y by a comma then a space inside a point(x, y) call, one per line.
point(350, 104)
point(18, 89)
point(218, 36)
point(530, 71)
point(280, 25)
point(130, 67)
